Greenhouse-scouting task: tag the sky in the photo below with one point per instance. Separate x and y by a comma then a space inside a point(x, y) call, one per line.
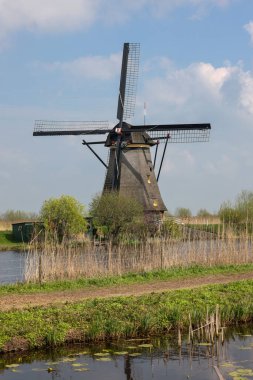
point(61, 60)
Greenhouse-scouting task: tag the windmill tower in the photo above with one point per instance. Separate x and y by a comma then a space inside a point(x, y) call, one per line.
point(130, 169)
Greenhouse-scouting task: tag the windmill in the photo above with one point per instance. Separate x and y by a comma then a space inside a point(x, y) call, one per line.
point(130, 169)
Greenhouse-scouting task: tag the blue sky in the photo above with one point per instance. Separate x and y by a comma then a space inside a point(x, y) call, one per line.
point(60, 60)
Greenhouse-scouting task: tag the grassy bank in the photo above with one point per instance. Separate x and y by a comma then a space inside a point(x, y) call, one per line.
point(175, 273)
point(7, 242)
point(124, 317)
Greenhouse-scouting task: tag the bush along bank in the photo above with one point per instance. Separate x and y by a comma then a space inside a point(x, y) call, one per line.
point(125, 317)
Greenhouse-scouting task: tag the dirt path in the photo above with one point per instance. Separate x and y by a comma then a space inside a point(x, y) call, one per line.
point(22, 301)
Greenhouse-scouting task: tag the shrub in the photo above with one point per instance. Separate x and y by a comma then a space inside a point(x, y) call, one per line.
point(240, 212)
point(63, 217)
point(170, 229)
point(116, 213)
point(17, 215)
point(203, 213)
point(182, 212)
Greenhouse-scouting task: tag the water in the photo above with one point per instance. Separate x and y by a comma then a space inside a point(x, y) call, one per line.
point(162, 361)
point(11, 266)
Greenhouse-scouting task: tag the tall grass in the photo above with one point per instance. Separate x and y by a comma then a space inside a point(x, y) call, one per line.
point(62, 262)
point(5, 225)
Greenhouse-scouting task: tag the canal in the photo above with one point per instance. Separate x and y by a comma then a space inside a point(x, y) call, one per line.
point(156, 359)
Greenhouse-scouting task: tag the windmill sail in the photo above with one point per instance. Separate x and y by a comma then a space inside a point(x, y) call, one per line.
point(181, 136)
point(176, 133)
point(64, 128)
point(128, 81)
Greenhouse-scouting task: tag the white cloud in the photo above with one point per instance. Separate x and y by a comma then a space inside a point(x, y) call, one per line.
point(203, 6)
point(199, 86)
point(249, 28)
point(65, 15)
point(91, 67)
point(46, 15)
point(115, 11)
point(246, 94)
point(203, 92)
point(212, 77)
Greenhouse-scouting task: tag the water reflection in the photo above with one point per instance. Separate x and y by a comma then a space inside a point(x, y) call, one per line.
point(160, 359)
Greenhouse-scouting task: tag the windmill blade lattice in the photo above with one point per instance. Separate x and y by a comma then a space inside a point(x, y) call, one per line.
point(60, 128)
point(128, 81)
point(181, 135)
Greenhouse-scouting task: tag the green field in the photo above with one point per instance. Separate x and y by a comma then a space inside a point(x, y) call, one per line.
point(7, 242)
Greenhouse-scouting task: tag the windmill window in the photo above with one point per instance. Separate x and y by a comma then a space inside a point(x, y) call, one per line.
point(155, 202)
point(148, 178)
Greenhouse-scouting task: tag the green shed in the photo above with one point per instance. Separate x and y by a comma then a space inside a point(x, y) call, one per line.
point(25, 231)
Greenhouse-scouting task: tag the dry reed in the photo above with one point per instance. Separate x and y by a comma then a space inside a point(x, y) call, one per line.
point(5, 226)
point(100, 260)
point(208, 331)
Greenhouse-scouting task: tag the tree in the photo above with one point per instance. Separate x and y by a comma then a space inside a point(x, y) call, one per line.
point(17, 215)
point(63, 217)
point(203, 213)
point(115, 213)
point(244, 206)
point(228, 213)
point(182, 212)
point(240, 212)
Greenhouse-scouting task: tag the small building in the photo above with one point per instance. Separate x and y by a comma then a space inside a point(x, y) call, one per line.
point(26, 231)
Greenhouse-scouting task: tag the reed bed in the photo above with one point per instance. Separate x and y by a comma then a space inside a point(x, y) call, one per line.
point(92, 259)
point(5, 226)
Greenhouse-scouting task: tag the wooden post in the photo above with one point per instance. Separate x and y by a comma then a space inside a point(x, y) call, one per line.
point(162, 254)
point(179, 337)
point(40, 268)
